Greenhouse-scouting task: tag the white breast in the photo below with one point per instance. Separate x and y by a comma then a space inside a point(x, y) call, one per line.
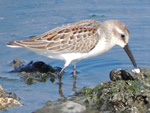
point(99, 49)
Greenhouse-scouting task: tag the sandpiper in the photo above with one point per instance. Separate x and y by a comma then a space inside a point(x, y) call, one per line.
point(80, 40)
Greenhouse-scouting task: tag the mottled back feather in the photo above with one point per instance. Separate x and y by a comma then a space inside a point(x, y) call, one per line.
point(75, 37)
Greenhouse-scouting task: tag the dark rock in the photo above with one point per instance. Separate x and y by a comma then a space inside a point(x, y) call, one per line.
point(42, 67)
point(38, 66)
point(35, 71)
point(118, 74)
point(95, 15)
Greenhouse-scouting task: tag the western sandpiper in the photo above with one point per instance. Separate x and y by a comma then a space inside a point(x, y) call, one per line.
point(80, 40)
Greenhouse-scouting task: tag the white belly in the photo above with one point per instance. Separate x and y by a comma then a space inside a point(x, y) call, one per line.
point(100, 48)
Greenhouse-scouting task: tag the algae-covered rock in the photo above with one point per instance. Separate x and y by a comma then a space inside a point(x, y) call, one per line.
point(34, 71)
point(8, 99)
point(121, 95)
point(127, 92)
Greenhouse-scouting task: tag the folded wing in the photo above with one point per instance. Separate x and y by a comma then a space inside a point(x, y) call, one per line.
point(76, 37)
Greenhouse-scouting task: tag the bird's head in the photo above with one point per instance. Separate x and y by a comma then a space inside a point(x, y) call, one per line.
point(120, 36)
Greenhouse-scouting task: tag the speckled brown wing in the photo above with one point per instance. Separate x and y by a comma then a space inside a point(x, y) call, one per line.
point(76, 37)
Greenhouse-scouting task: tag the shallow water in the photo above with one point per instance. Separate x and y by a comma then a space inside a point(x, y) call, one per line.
point(22, 19)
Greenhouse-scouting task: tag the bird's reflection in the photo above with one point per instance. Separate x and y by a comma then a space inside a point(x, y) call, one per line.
point(74, 83)
point(61, 91)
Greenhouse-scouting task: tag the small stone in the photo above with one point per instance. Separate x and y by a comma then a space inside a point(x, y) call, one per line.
point(93, 15)
point(16, 63)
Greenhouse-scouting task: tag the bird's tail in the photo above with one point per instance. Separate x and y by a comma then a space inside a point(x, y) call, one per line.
point(13, 44)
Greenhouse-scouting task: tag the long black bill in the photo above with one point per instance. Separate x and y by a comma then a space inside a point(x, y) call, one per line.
point(127, 50)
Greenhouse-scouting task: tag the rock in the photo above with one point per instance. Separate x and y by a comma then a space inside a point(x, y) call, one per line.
point(62, 107)
point(72, 107)
point(16, 63)
point(127, 92)
point(8, 99)
point(19, 66)
point(118, 74)
point(95, 15)
point(35, 71)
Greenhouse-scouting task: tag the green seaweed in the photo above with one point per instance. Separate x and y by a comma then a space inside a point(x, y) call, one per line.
point(29, 81)
point(122, 95)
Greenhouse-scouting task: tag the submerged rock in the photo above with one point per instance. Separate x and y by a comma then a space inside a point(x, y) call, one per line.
point(127, 92)
point(34, 71)
point(8, 99)
point(62, 107)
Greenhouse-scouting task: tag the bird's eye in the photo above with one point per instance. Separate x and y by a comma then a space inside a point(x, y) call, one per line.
point(122, 35)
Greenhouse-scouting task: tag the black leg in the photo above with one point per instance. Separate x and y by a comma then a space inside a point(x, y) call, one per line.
point(62, 71)
point(60, 75)
point(74, 70)
point(74, 77)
